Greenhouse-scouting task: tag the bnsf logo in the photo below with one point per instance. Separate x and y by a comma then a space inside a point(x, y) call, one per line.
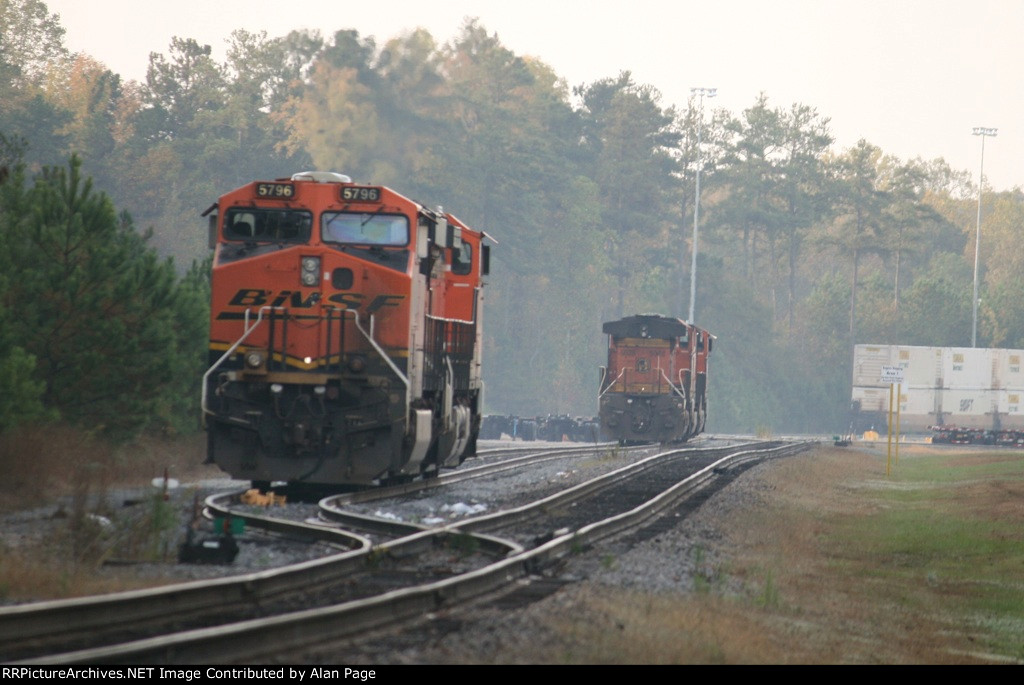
point(255, 297)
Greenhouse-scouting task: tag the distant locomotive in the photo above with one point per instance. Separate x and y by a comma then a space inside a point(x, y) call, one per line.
point(654, 388)
point(345, 334)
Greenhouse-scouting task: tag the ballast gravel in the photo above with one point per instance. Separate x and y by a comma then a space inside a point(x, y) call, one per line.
point(675, 559)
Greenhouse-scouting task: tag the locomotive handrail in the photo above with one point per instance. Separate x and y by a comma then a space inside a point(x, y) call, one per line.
point(689, 402)
point(380, 350)
point(612, 383)
point(668, 380)
point(231, 350)
point(387, 360)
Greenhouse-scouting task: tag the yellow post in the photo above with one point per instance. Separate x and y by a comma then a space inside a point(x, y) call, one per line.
point(888, 456)
point(899, 395)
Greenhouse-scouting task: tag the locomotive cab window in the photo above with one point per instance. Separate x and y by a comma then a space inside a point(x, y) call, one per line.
point(250, 224)
point(349, 228)
point(462, 259)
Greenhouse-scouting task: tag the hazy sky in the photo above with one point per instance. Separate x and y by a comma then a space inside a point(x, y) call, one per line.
point(911, 76)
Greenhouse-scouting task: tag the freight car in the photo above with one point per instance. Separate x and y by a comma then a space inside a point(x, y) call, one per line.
point(654, 388)
point(959, 394)
point(345, 334)
point(553, 428)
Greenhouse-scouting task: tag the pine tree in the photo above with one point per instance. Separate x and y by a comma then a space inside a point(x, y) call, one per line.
point(96, 307)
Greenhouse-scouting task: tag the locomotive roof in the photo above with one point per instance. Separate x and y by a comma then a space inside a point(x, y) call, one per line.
point(646, 326)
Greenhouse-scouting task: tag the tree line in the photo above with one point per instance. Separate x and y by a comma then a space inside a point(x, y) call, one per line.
point(588, 190)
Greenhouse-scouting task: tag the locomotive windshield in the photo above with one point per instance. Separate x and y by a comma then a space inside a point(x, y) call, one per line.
point(364, 229)
point(252, 224)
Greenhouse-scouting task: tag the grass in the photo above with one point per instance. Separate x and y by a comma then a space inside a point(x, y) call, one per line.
point(837, 564)
point(463, 545)
point(75, 474)
point(769, 598)
point(949, 542)
point(602, 456)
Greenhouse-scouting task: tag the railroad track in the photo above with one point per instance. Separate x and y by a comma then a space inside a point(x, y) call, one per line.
point(397, 579)
point(45, 628)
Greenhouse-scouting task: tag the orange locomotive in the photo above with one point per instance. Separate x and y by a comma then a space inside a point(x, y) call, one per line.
point(654, 388)
point(345, 334)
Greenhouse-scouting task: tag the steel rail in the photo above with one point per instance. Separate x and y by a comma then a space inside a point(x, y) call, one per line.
point(57, 621)
point(534, 456)
point(256, 639)
point(531, 510)
point(331, 508)
point(53, 621)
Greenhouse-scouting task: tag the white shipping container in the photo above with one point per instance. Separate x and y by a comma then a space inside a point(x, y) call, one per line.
point(922, 365)
point(871, 399)
point(918, 402)
point(969, 408)
point(916, 410)
point(960, 386)
point(868, 361)
point(1009, 372)
point(967, 368)
point(1011, 409)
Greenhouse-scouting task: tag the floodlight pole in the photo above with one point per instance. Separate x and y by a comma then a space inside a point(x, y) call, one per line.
point(700, 93)
point(983, 132)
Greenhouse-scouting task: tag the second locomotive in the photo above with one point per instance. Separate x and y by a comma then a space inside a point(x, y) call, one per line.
point(654, 388)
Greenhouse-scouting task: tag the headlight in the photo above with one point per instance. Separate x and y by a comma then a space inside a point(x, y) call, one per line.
point(254, 359)
point(310, 271)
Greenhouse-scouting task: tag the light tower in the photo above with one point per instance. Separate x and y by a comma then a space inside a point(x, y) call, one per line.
point(983, 132)
point(700, 93)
